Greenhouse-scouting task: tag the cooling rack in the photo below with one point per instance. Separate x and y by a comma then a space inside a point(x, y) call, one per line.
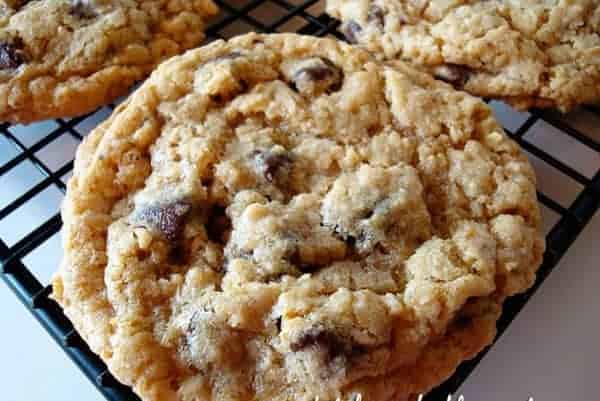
point(36, 161)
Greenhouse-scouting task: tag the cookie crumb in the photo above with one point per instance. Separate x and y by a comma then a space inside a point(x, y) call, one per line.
point(456, 75)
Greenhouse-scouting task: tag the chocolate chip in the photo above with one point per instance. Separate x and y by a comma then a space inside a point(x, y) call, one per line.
point(456, 75)
point(269, 163)
point(463, 321)
point(350, 30)
point(278, 323)
point(82, 9)
point(323, 69)
point(331, 344)
point(11, 54)
point(142, 254)
point(317, 75)
point(350, 241)
point(362, 241)
point(167, 219)
point(323, 339)
point(21, 3)
point(218, 225)
point(307, 267)
point(293, 256)
point(179, 254)
point(229, 56)
point(376, 16)
point(192, 323)
point(224, 57)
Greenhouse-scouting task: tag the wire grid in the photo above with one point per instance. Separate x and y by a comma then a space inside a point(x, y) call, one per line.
point(565, 217)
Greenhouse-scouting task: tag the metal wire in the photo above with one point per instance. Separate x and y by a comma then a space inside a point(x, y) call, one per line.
point(35, 296)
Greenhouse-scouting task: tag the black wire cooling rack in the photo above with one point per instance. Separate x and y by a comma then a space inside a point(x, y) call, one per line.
point(565, 216)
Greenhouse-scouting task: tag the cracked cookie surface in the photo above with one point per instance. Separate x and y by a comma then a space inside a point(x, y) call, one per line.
point(540, 53)
point(280, 217)
point(61, 58)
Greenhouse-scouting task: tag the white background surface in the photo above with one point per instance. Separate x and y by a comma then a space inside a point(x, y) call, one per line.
point(551, 351)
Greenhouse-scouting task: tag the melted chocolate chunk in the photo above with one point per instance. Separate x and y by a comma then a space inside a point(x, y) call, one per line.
point(179, 254)
point(270, 163)
point(350, 241)
point(364, 241)
point(294, 258)
point(376, 16)
point(456, 75)
point(324, 339)
point(321, 70)
point(224, 57)
point(317, 75)
point(464, 318)
point(361, 242)
point(21, 3)
point(307, 267)
point(82, 9)
point(11, 54)
point(463, 321)
point(167, 219)
point(331, 344)
point(350, 30)
point(278, 323)
point(218, 225)
point(228, 56)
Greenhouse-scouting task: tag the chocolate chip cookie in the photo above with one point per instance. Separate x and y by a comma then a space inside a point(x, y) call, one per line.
point(529, 53)
point(61, 58)
point(280, 217)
